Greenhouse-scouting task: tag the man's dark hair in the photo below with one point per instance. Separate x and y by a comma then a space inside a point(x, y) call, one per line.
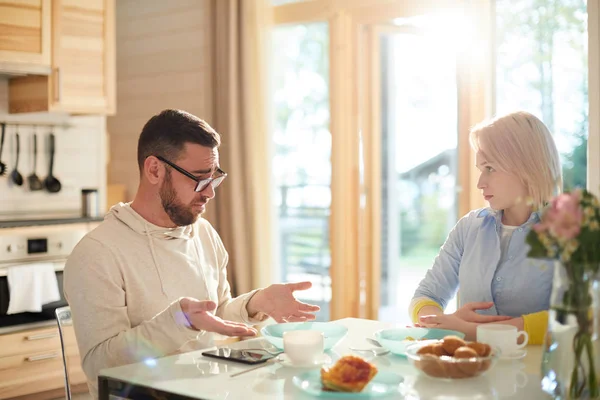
point(166, 134)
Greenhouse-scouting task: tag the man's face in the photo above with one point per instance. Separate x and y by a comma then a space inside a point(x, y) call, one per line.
point(501, 189)
point(181, 203)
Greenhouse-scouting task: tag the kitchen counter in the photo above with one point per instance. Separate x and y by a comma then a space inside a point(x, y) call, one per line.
point(24, 327)
point(51, 221)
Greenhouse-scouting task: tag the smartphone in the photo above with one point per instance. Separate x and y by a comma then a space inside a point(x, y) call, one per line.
point(240, 355)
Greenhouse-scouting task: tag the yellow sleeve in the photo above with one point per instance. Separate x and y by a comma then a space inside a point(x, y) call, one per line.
point(535, 325)
point(419, 305)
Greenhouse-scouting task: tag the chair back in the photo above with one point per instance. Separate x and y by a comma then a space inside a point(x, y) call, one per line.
point(63, 319)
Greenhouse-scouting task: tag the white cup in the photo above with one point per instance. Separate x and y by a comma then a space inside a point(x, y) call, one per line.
point(303, 347)
point(504, 337)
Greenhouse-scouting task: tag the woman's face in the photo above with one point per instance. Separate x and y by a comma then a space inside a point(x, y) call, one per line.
point(501, 190)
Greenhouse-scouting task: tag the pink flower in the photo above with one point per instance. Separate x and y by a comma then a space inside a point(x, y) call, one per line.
point(540, 228)
point(564, 217)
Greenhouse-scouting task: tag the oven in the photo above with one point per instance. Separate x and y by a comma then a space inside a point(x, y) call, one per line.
point(23, 246)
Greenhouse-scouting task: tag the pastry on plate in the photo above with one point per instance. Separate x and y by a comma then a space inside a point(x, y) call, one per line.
point(348, 374)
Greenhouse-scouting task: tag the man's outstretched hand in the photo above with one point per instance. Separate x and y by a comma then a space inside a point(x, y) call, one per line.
point(278, 302)
point(198, 313)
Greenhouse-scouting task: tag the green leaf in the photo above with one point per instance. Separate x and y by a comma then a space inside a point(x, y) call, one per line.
point(537, 249)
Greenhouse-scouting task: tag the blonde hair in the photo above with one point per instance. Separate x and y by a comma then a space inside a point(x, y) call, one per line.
point(520, 144)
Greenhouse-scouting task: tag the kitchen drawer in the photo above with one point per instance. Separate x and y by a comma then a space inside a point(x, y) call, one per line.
point(29, 342)
point(38, 372)
point(31, 376)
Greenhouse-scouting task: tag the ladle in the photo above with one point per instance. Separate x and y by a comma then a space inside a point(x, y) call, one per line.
point(2, 165)
point(35, 183)
point(15, 175)
point(51, 183)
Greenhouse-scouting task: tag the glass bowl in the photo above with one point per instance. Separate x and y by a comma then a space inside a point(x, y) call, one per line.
point(446, 367)
point(397, 340)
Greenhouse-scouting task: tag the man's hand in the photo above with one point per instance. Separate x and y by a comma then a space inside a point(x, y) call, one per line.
point(452, 322)
point(279, 303)
point(467, 313)
point(198, 313)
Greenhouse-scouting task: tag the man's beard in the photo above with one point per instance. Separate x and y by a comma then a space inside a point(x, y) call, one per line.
point(180, 214)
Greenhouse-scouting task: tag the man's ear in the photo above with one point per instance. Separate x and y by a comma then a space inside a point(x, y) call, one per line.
point(153, 170)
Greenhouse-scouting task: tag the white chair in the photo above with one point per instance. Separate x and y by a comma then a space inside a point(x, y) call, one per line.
point(63, 318)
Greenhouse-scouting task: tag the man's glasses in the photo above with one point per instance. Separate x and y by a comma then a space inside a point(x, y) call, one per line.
point(201, 184)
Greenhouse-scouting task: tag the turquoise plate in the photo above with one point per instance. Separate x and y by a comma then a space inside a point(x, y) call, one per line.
point(383, 384)
point(333, 332)
point(395, 339)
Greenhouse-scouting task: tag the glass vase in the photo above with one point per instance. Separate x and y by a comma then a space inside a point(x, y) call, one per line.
point(571, 358)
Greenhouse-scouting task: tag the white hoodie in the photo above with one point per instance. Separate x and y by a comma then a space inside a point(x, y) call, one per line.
point(123, 283)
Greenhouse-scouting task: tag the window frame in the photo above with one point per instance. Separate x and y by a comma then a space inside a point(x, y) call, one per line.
point(355, 201)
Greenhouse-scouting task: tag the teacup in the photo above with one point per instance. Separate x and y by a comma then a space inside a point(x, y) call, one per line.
point(504, 337)
point(303, 346)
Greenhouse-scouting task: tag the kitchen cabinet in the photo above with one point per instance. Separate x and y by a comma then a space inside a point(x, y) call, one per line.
point(31, 363)
point(25, 36)
point(82, 79)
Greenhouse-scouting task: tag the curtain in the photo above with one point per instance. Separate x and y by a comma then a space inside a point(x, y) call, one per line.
point(242, 211)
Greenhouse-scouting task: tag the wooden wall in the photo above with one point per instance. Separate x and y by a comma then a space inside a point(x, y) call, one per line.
point(164, 60)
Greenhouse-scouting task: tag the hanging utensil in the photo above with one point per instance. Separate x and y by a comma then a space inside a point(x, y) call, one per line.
point(35, 183)
point(51, 183)
point(15, 175)
point(2, 165)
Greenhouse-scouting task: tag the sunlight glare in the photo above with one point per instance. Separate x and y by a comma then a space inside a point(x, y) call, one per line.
point(453, 28)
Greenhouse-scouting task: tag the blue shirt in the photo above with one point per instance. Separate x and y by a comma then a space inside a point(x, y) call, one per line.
point(470, 260)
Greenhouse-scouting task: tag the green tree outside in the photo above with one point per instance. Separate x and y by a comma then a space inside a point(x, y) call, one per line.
point(545, 23)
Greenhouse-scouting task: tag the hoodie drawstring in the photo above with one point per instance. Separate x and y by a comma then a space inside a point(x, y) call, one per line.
point(156, 266)
point(200, 264)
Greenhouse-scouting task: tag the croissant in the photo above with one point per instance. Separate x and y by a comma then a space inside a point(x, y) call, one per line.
point(348, 374)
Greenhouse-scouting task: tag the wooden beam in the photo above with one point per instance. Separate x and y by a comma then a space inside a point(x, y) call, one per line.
point(303, 12)
point(475, 79)
point(362, 11)
point(345, 171)
point(369, 97)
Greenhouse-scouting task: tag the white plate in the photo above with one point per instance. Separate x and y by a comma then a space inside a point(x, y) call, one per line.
point(286, 362)
point(517, 355)
point(384, 384)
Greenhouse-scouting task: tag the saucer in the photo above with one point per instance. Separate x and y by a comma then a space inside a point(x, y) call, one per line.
point(286, 362)
point(516, 355)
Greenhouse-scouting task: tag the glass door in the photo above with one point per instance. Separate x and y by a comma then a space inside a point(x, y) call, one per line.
point(301, 162)
point(418, 131)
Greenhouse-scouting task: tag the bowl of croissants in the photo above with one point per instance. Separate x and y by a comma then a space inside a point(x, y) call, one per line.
point(452, 357)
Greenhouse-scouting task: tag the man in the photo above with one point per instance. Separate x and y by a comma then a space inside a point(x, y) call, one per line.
point(151, 279)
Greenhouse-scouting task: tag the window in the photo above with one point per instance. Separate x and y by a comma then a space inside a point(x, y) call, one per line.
point(301, 162)
point(541, 67)
point(419, 205)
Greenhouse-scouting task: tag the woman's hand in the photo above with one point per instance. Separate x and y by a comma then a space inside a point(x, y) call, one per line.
point(452, 322)
point(465, 319)
point(467, 313)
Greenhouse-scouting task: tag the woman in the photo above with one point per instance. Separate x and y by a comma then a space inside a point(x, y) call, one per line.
point(485, 255)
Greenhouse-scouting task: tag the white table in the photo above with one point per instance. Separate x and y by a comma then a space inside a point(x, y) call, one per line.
point(192, 376)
